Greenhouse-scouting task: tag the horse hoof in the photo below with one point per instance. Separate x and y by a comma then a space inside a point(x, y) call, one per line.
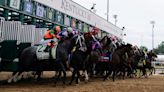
point(77, 84)
point(9, 81)
point(15, 80)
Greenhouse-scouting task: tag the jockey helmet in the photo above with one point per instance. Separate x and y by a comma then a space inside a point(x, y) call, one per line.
point(57, 28)
point(69, 29)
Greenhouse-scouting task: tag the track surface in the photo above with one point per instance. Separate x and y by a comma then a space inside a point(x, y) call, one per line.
point(152, 84)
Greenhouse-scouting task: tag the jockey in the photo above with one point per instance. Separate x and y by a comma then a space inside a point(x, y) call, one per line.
point(94, 32)
point(51, 37)
point(63, 35)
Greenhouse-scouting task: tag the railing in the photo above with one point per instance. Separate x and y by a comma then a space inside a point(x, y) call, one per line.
point(159, 66)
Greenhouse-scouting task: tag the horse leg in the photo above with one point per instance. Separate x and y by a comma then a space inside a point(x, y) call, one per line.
point(39, 75)
point(154, 70)
point(108, 73)
point(12, 77)
point(113, 76)
point(86, 76)
point(124, 71)
point(18, 77)
point(73, 76)
point(15, 77)
point(78, 75)
point(57, 77)
point(64, 73)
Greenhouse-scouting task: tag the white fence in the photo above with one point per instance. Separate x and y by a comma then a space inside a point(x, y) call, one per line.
point(159, 67)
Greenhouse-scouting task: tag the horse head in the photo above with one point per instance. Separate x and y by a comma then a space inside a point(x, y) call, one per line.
point(78, 43)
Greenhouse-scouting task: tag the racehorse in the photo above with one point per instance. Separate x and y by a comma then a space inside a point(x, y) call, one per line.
point(142, 62)
point(117, 61)
point(150, 57)
point(94, 53)
point(107, 47)
point(78, 59)
point(29, 62)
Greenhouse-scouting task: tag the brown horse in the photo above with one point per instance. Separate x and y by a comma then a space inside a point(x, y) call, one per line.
point(117, 61)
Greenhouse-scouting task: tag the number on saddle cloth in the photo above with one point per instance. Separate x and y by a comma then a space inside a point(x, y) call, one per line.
point(104, 57)
point(42, 55)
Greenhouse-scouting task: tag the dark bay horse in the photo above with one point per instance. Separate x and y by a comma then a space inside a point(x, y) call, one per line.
point(29, 62)
point(94, 51)
point(147, 63)
point(117, 61)
point(78, 59)
point(107, 46)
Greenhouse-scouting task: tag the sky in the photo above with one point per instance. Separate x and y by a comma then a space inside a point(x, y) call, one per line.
point(135, 16)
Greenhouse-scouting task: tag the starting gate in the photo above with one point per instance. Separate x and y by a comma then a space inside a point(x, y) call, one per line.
point(14, 37)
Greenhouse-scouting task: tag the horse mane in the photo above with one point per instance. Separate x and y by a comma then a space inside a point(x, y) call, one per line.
point(103, 39)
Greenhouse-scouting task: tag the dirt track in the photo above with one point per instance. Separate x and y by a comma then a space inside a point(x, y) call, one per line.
point(152, 84)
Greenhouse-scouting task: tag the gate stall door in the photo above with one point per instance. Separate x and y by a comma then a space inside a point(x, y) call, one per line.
point(11, 30)
point(39, 33)
point(1, 27)
point(26, 37)
point(26, 34)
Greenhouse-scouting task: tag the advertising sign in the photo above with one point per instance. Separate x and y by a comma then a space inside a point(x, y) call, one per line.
point(80, 25)
point(90, 28)
point(85, 28)
point(59, 17)
point(40, 11)
point(28, 7)
point(73, 23)
point(50, 14)
point(15, 4)
point(66, 20)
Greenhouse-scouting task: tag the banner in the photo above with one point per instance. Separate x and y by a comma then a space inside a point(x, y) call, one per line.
point(28, 7)
point(66, 20)
point(40, 11)
point(15, 4)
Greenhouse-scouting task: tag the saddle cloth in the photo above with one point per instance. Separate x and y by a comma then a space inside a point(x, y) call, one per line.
point(42, 55)
point(104, 57)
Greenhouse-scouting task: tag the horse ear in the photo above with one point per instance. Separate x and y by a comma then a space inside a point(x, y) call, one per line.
point(129, 45)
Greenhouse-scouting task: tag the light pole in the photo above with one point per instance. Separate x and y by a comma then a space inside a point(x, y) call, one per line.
point(115, 17)
point(107, 10)
point(153, 23)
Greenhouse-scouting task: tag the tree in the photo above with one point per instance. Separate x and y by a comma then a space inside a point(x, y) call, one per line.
point(160, 48)
point(143, 48)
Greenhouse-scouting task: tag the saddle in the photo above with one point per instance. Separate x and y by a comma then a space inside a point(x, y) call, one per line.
point(44, 55)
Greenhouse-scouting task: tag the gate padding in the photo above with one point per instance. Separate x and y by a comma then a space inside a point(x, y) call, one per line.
point(9, 50)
